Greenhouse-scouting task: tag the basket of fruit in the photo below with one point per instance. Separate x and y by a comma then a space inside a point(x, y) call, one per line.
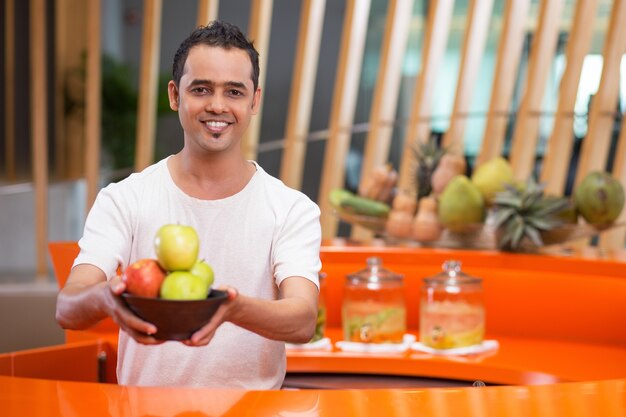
point(174, 290)
point(488, 210)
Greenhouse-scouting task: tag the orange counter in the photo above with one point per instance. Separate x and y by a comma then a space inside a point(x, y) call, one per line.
point(560, 323)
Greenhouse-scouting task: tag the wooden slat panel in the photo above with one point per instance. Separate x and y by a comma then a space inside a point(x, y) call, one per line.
point(386, 92)
point(148, 87)
point(556, 161)
point(523, 149)
point(9, 89)
point(207, 11)
point(259, 32)
point(39, 131)
point(433, 50)
point(602, 112)
point(302, 86)
point(505, 74)
point(345, 96)
point(614, 239)
point(72, 15)
point(60, 64)
point(471, 56)
point(93, 95)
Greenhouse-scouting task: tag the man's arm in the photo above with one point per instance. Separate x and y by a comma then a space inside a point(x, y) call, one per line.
point(88, 298)
point(291, 318)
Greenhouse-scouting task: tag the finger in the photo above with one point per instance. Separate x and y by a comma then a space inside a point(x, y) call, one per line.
point(232, 293)
point(125, 318)
point(117, 285)
point(142, 337)
point(205, 334)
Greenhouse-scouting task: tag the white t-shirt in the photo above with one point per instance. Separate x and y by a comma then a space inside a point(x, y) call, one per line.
point(253, 240)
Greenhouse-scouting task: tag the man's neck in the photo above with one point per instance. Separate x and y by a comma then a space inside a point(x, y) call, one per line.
point(210, 178)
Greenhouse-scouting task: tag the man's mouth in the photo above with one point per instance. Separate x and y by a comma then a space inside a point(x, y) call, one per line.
point(216, 126)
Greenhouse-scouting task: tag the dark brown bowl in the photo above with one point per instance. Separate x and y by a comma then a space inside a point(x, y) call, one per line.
point(174, 319)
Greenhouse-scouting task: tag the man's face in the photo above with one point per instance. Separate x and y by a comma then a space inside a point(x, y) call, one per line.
point(215, 98)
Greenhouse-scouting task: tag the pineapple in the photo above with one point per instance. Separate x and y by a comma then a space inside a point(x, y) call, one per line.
point(527, 212)
point(427, 155)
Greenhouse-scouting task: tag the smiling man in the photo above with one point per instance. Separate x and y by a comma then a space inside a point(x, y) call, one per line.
point(261, 237)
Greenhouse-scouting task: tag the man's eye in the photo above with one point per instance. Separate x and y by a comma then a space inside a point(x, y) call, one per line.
point(199, 90)
point(236, 93)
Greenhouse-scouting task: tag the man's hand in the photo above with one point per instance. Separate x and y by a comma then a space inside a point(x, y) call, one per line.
point(136, 328)
point(205, 334)
point(291, 318)
point(88, 298)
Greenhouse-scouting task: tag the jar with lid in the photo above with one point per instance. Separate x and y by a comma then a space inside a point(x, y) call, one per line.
point(373, 308)
point(452, 312)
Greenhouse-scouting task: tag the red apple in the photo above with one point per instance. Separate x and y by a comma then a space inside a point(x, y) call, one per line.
point(144, 278)
point(176, 247)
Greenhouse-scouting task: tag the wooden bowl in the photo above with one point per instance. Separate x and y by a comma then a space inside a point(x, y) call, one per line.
point(175, 319)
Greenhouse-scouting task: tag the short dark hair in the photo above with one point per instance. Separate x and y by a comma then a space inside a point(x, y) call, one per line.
point(216, 33)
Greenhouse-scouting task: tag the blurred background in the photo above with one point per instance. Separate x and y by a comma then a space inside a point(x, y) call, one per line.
point(49, 169)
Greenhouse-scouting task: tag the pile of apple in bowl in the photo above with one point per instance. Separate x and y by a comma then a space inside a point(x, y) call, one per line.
point(174, 291)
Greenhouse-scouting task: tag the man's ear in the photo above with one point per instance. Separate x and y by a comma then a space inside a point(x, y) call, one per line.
point(174, 97)
point(256, 101)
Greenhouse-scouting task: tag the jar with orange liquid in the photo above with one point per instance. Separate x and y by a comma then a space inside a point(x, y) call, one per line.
point(373, 308)
point(452, 314)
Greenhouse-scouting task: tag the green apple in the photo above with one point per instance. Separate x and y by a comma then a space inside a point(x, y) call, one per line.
point(183, 285)
point(176, 247)
point(204, 271)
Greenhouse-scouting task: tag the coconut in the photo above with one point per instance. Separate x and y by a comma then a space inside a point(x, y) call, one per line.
point(599, 198)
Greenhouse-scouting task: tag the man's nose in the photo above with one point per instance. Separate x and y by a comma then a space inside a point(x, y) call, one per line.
point(216, 104)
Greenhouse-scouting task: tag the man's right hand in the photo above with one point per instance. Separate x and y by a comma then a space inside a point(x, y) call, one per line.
point(88, 298)
point(136, 328)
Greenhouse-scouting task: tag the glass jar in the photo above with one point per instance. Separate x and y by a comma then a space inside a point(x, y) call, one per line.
point(320, 326)
point(373, 308)
point(452, 312)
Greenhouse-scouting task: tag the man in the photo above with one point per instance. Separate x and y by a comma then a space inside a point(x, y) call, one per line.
point(261, 238)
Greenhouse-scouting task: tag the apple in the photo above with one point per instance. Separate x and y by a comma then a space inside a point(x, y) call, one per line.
point(144, 278)
point(204, 271)
point(183, 285)
point(176, 247)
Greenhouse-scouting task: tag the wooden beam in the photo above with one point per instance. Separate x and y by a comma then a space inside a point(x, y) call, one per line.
point(93, 96)
point(60, 69)
point(614, 239)
point(433, 51)
point(596, 144)
point(471, 56)
point(207, 11)
point(556, 160)
point(9, 90)
point(505, 74)
point(387, 89)
point(523, 149)
point(302, 91)
point(72, 41)
point(39, 132)
point(259, 32)
point(345, 96)
point(148, 83)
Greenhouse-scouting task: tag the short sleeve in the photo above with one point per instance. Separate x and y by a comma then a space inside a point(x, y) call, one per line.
point(296, 250)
